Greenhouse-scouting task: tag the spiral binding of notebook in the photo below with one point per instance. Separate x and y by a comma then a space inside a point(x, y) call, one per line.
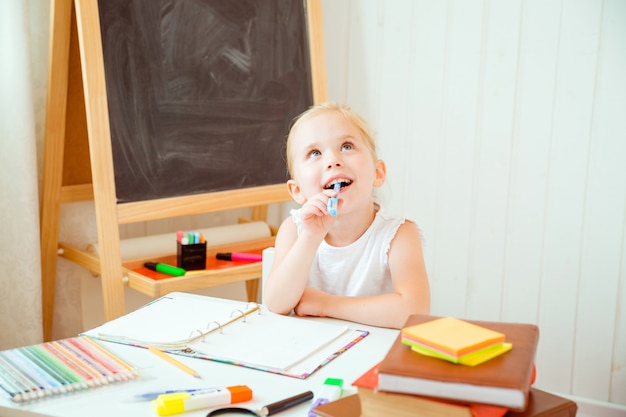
point(59, 368)
point(197, 334)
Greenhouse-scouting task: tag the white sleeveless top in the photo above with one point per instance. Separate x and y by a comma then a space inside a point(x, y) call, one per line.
point(359, 269)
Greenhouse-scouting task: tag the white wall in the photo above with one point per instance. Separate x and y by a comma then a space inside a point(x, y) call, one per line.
point(503, 125)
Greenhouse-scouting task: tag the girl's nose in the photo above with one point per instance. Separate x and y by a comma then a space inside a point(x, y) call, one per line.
point(333, 160)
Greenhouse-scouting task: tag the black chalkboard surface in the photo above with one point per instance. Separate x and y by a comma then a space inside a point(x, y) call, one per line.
point(201, 92)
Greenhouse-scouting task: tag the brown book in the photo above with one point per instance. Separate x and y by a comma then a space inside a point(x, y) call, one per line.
point(540, 404)
point(349, 406)
point(379, 403)
point(544, 404)
point(502, 381)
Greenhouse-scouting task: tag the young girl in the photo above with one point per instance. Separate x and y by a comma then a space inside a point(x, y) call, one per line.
point(361, 264)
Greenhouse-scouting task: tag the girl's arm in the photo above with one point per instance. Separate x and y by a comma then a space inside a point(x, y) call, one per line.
point(289, 274)
point(294, 254)
point(410, 284)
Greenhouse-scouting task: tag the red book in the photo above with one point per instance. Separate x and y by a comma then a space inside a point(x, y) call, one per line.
point(502, 381)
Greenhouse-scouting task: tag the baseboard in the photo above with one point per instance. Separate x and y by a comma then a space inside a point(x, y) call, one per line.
point(592, 408)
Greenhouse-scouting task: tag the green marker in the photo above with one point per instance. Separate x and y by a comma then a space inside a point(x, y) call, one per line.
point(165, 269)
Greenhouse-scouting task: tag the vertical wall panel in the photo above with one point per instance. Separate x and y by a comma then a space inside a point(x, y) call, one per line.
point(609, 122)
point(456, 169)
point(364, 63)
point(336, 46)
point(605, 199)
point(566, 190)
point(425, 141)
point(617, 392)
point(499, 66)
point(395, 82)
point(531, 139)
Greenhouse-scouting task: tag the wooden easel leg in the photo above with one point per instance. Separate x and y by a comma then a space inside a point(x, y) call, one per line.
point(101, 156)
point(53, 154)
point(252, 289)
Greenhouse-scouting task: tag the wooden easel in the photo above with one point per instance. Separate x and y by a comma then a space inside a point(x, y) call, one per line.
point(78, 165)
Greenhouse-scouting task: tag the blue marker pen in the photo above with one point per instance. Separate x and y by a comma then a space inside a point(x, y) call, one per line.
point(330, 391)
point(334, 201)
point(148, 396)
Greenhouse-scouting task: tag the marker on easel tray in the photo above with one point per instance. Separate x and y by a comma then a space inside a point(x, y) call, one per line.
point(334, 201)
point(165, 268)
point(239, 256)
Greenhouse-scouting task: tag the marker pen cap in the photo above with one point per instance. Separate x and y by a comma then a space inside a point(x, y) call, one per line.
point(239, 393)
point(332, 389)
point(169, 404)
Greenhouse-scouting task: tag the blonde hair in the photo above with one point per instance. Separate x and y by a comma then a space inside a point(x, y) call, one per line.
point(356, 119)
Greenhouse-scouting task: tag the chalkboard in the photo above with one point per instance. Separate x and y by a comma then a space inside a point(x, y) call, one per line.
point(201, 92)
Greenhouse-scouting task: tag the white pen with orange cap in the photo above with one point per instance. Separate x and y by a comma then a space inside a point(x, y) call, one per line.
point(179, 402)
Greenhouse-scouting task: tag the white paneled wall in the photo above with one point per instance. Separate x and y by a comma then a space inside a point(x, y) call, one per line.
point(503, 125)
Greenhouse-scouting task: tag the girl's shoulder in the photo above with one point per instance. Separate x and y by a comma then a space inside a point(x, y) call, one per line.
point(399, 224)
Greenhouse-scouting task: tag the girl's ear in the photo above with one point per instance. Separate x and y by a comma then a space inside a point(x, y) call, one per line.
point(295, 192)
point(380, 173)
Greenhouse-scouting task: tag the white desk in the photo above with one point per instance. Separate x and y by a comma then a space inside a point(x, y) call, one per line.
point(157, 374)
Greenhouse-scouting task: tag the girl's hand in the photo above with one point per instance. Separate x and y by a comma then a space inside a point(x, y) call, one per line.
point(314, 213)
point(311, 303)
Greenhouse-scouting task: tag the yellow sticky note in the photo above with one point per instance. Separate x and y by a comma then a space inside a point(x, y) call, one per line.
point(452, 336)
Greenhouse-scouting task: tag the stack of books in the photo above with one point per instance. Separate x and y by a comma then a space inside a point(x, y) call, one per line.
point(503, 381)
point(380, 403)
point(408, 383)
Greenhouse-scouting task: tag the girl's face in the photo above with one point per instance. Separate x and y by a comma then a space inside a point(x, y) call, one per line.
point(327, 149)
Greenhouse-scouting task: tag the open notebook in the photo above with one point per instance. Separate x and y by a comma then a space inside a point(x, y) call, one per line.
point(235, 332)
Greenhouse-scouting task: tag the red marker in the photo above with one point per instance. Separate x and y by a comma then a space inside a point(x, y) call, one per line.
point(239, 256)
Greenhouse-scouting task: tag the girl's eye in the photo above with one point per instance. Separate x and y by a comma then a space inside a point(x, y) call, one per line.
point(314, 153)
point(346, 146)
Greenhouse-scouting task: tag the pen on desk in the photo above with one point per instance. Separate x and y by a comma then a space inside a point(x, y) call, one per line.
point(153, 395)
point(165, 268)
point(282, 405)
point(334, 201)
point(239, 256)
point(174, 362)
point(176, 403)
